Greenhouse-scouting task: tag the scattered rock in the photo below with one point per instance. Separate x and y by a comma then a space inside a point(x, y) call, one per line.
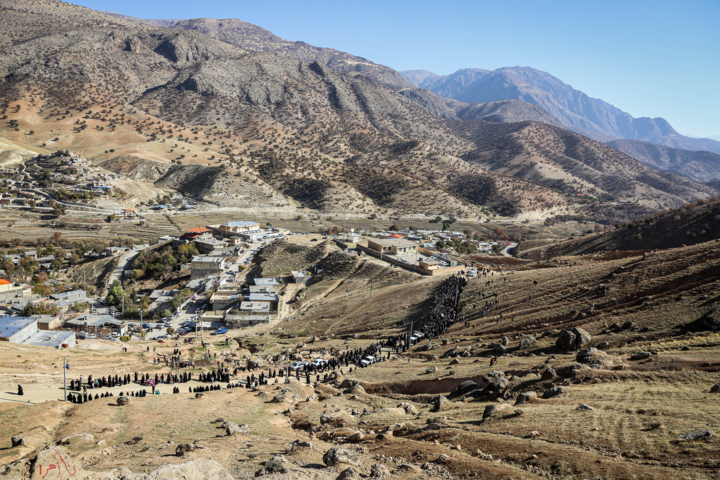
point(431, 369)
point(493, 410)
point(573, 339)
point(442, 459)
point(338, 456)
point(715, 388)
point(123, 400)
point(640, 356)
point(356, 437)
point(82, 436)
point(526, 342)
point(505, 341)
point(17, 441)
point(697, 434)
point(582, 406)
point(233, 429)
point(549, 374)
point(297, 445)
point(441, 404)
point(184, 448)
point(465, 387)
point(553, 392)
point(379, 470)
point(524, 397)
point(347, 474)
point(199, 395)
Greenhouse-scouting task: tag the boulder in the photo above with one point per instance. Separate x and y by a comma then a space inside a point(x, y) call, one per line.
point(123, 400)
point(335, 421)
point(697, 434)
point(441, 404)
point(525, 397)
point(17, 441)
point(505, 341)
point(184, 448)
point(297, 445)
point(432, 369)
point(233, 429)
point(493, 410)
point(347, 474)
point(582, 406)
point(199, 395)
point(594, 358)
point(573, 339)
point(712, 320)
point(715, 388)
point(553, 392)
point(357, 390)
point(464, 388)
point(378, 470)
point(49, 463)
point(339, 456)
point(455, 362)
point(442, 459)
point(549, 374)
point(640, 356)
point(527, 342)
point(356, 437)
point(497, 347)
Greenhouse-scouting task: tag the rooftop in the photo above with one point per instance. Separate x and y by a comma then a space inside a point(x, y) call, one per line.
point(241, 224)
point(9, 326)
point(393, 242)
point(198, 230)
point(49, 338)
point(207, 259)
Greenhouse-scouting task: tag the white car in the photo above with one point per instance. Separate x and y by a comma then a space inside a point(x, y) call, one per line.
point(299, 365)
point(91, 335)
point(367, 361)
point(318, 362)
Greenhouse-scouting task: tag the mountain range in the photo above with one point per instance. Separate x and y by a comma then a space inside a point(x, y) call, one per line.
point(577, 111)
point(228, 113)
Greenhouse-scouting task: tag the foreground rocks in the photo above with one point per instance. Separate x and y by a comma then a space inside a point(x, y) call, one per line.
point(340, 456)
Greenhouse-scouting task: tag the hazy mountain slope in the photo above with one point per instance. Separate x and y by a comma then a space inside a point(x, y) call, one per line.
point(504, 111)
point(698, 165)
point(416, 77)
point(252, 37)
point(590, 116)
point(574, 164)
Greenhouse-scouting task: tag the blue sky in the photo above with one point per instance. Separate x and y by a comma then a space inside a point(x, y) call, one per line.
point(649, 58)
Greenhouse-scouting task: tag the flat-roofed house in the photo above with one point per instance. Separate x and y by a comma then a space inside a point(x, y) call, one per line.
point(392, 246)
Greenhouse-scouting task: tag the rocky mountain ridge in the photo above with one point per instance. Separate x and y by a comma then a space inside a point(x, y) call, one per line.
point(590, 116)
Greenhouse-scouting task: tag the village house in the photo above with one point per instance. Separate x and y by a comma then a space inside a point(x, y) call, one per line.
point(392, 246)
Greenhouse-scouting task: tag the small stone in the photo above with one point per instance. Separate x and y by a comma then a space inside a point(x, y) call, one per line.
point(18, 441)
point(582, 406)
point(697, 434)
point(443, 459)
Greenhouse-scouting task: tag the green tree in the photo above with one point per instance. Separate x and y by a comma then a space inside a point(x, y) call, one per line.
point(116, 293)
point(170, 330)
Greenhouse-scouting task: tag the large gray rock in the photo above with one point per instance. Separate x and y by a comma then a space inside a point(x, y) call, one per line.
point(549, 374)
point(348, 474)
point(441, 404)
point(697, 434)
point(184, 448)
point(712, 320)
point(573, 339)
point(339, 456)
point(594, 358)
point(378, 470)
point(493, 410)
point(553, 392)
point(525, 397)
point(233, 429)
point(498, 348)
point(465, 387)
point(17, 441)
point(123, 400)
point(527, 342)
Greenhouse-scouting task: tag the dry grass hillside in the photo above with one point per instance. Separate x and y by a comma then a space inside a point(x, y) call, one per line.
point(689, 225)
point(575, 165)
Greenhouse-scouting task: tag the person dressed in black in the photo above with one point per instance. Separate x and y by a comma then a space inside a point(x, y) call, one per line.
point(20, 390)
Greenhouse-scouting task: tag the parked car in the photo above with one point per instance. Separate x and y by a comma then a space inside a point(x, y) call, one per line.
point(220, 331)
point(147, 325)
point(318, 362)
point(369, 360)
point(299, 365)
point(167, 325)
point(91, 335)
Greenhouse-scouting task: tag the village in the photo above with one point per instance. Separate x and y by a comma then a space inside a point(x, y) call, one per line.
point(213, 285)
